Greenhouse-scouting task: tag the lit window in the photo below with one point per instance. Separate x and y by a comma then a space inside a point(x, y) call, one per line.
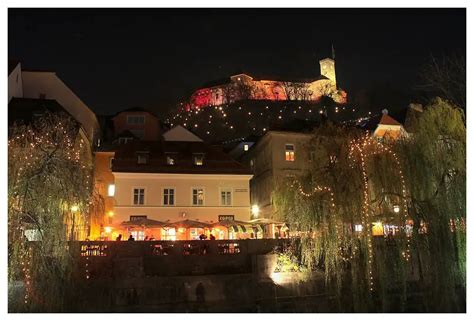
point(246, 147)
point(252, 163)
point(226, 197)
point(142, 158)
point(138, 235)
point(289, 152)
point(134, 120)
point(170, 159)
point(198, 159)
point(168, 234)
point(138, 196)
point(198, 196)
point(168, 196)
point(111, 190)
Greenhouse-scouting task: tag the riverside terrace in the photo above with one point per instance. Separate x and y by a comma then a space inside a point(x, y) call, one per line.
point(201, 276)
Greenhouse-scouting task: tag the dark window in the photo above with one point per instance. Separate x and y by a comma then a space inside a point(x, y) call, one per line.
point(136, 120)
point(142, 158)
point(138, 196)
point(124, 140)
point(168, 196)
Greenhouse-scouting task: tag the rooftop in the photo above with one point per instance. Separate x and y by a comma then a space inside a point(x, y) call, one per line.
point(26, 109)
point(215, 160)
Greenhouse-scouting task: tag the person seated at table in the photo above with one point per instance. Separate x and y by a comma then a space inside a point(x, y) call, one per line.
point(119, 237)
point(212, 237)
point(131, 238)
point(146, 238)
point(202, 237)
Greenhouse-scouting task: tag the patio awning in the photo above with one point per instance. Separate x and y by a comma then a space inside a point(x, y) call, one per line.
point(239, 229)
point(143, 222)
point(229, 223)
point(188, 224)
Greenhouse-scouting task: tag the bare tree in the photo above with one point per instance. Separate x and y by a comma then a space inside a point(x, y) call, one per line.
point(445, 77)
point(243, 90)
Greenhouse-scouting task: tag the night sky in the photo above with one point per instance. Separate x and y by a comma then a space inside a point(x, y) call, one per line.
point(120, 58)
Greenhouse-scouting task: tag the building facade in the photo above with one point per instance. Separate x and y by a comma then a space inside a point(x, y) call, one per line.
point(142, 123)
point(278, 155)
point(121, 128)
point(245, 87)
point(172, 181)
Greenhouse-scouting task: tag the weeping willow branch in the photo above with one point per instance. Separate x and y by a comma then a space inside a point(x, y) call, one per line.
point(424, 176)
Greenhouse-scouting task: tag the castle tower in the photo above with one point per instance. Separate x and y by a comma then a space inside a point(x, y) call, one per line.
point(328, 68)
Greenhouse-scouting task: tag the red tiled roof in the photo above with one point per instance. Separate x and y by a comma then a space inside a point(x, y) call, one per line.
point(387, 120)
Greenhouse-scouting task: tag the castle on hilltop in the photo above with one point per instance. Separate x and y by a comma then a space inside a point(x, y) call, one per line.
point(242, 86)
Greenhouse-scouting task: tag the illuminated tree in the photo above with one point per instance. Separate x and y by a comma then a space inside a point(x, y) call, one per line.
point(356, 180)
point(50, 199)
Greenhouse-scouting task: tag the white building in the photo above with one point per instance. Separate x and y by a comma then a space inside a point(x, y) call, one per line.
point(47, 85)
point(171, 181)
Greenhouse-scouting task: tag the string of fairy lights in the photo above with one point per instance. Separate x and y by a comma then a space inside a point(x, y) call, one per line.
point(31, 147)
point(230, 120)
point(367, 146)
point(363, 148)
point(324, 189)
point(25, 263)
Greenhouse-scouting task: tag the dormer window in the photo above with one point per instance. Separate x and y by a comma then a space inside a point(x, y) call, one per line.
point(198, 159)
point(124, 140)
point(135, 119)
point(142, 158)
point(171, 159)
point(246, 147)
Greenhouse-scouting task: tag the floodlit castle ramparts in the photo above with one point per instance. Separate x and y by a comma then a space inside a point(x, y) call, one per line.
point(244, 87)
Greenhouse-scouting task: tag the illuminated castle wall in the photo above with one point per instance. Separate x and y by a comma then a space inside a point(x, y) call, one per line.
point(243, 87)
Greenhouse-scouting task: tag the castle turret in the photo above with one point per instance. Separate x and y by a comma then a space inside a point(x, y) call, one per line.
point(328, 68)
